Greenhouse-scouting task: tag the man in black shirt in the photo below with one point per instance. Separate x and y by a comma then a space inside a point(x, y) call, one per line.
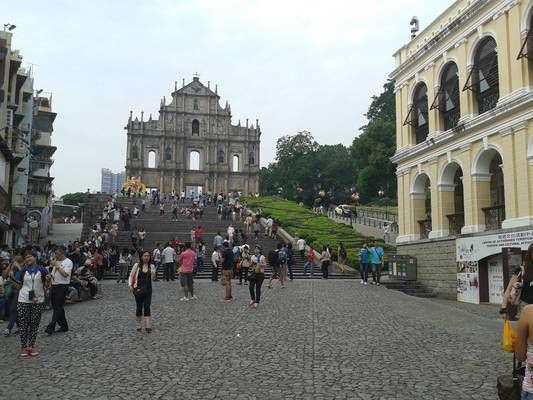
point(227, 269)
point(273, 261)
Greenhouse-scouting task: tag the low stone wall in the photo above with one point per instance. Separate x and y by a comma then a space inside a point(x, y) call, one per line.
point(437, 268)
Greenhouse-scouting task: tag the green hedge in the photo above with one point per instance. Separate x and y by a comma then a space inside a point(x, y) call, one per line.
point(318, 231)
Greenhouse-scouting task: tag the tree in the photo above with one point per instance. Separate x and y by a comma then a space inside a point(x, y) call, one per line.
point(372, 149)
point(74, 199)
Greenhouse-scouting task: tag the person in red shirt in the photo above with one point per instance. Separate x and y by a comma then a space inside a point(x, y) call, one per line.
point(175, 244)
point(187, 260)
point(310, 261)
point(199, 235)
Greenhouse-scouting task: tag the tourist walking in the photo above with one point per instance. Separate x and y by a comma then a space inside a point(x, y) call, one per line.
point(283, 265)
point(124, 262)
point(140, 284)
point(228, 264)
point(364, 263)
point(310, 262)
point(187, 259)
point(141, 235)
point(256, 276)
point(290, 260)
point(98, 264)
point(200, 254)
point(61, 273)
point(161, 209)
point(341, 254)
point(231, 232)
point(245, 264)
point(248, 222)
point(523, 349)
point(156, 257)
point(11, 306)
point(168, 256)
point(215, 262)
point(325, 260)
point(273, 261)
point(218, 240)
point(376, 259)
point(300, 244)
point(257, 228)
point(33, 281)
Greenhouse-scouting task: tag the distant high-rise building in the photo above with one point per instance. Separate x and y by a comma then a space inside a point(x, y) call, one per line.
point(111, 182)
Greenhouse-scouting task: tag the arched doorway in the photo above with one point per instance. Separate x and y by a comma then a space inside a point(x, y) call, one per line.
point(451, 196)
point(490, 189)
point(421, 206)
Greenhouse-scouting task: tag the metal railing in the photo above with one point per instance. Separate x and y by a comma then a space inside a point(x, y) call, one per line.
point(456, 223)
point(494, 216)
point(366, 221)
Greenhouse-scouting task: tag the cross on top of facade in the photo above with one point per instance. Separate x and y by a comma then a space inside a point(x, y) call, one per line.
point(196, 75)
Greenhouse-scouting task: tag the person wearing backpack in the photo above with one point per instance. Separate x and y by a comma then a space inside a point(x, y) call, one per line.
point(33, 281)
point(256, 276)
point(520, 289)
point(376, 259)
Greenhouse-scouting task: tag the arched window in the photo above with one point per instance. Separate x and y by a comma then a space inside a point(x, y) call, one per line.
point(196, 127)
point(418, 113)
point(168, 154)
point(194, 160)
point(195, 103)
point(151, 159)
point(526, 51)
point(484, 80)
point(235, 163)
point(448, 97)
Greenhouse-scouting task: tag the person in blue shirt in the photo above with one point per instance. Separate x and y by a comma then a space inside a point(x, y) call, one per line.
point(364, 263)
point(376, 259)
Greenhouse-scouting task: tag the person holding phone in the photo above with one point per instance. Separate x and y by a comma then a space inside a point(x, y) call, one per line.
point(34, 281)
point(61, 273)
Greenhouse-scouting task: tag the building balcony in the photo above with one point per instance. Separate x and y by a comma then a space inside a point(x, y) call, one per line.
point(425, 228)
point(494, 216)
point(456, 222)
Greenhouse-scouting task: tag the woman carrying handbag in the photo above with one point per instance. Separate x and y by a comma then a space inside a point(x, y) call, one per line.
point(140, 284)
point(256, 276)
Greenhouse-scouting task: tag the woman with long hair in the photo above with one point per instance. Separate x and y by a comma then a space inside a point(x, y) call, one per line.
point(522, 277)
point(140, 284)
point(256, 276)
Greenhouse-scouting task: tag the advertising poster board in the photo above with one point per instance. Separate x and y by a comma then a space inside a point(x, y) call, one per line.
point(495, 275)
point(468, 282)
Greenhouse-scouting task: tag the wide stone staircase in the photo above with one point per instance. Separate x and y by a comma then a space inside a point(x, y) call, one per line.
point(161, 229)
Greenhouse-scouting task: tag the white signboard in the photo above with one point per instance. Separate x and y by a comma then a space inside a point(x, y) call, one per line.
point(495, 280)
point(468, 282)
point(478, 247)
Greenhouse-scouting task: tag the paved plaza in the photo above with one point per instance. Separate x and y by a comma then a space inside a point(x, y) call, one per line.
point(314, 340)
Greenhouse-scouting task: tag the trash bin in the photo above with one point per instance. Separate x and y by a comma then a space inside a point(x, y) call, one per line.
point(403, 267)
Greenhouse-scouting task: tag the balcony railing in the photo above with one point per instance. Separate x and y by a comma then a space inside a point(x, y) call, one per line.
point(425, 228)
point(494, 216)
point(456, 223)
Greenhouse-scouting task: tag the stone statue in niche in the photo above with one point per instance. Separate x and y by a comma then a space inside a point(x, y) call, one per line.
point(251, 158)
point(168, 154)
point(135, 152)
point(220, 157)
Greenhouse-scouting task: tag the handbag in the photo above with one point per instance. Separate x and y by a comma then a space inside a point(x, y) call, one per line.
point(510, 386)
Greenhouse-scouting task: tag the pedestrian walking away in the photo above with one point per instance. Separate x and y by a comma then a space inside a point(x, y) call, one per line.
point(325, 260)
point(140, 284)
point(364, 260)
point(215, 262)
point(273, 261)
point(168, 256)
point(228, 264)
point(256, 276)
point(60, 274)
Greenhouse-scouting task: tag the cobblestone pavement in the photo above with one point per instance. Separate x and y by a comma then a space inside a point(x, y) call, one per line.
point(314, 340)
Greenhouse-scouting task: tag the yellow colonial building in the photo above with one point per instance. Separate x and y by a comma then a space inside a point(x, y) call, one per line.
point(464, 110)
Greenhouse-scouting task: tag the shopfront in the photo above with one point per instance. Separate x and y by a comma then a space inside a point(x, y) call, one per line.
point(486, 262)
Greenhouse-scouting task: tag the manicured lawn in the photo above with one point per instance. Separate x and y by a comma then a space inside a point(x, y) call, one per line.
point(318, 231)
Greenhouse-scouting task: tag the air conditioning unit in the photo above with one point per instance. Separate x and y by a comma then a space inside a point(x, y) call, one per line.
point(10, 118)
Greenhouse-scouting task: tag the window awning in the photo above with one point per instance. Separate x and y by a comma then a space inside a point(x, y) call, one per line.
point(437, 103)
point(470, 84)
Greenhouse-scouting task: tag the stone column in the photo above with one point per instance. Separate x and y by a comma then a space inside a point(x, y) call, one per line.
point(445, 196)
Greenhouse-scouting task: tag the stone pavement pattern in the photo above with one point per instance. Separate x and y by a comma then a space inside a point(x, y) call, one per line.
point(313, 340)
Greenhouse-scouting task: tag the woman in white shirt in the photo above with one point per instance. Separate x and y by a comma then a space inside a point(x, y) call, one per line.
point(34, 281)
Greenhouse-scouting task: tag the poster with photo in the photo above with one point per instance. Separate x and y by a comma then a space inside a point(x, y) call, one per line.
point(468, 282)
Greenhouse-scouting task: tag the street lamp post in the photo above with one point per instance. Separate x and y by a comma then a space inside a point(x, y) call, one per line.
point(381, 194)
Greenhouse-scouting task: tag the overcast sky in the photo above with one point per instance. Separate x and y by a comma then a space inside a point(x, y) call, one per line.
point(294, 64)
